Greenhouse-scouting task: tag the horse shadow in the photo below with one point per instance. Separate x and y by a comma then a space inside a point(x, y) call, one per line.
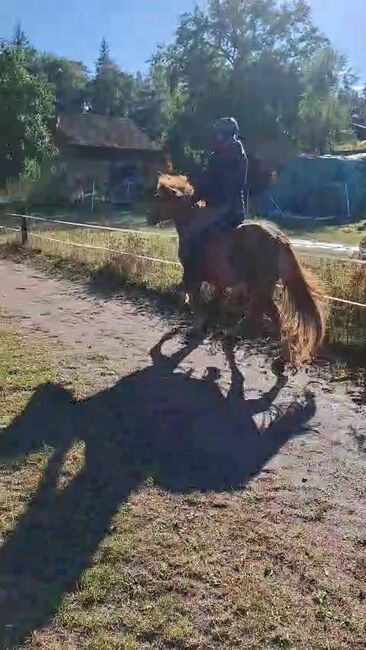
point(158, 422)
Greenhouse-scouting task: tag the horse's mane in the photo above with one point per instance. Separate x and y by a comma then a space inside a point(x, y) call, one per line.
point(176, 182)
point(181, 183)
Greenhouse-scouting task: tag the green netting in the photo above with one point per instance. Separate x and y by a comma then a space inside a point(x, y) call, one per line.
point(320, 186)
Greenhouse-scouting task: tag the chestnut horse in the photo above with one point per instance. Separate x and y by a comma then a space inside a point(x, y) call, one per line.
point(250, 262)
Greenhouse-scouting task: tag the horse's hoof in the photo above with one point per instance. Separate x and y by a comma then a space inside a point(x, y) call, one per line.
point(279, 367)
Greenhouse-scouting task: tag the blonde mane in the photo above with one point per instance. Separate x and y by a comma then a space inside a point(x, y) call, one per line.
point(176, 182)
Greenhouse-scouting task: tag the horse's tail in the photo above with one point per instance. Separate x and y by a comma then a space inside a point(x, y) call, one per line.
point(303, 306)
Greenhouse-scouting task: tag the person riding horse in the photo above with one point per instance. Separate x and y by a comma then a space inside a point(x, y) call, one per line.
point(223, 187)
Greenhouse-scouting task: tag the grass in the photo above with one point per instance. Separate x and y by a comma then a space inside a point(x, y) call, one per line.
point(346, 233)
point(347, 324)
point(195, 571)
point(111, 268)
point(112, 263)
point(350, 234)
point(353, 145)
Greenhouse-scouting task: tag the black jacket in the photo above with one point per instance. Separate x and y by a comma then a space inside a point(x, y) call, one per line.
point(225, 179)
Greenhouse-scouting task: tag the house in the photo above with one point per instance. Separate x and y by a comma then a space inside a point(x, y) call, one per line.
point(110, 152)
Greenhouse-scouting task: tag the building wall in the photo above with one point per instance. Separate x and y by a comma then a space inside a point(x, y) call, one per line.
point(102, 167)
point(84, 172)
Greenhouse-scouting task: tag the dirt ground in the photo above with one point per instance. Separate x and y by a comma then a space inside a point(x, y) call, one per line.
point(318, 454)
point(148, 501)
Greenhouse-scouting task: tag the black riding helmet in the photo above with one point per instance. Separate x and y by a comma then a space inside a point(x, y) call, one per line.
point(226, 127)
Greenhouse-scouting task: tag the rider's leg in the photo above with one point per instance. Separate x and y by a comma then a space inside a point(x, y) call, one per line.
point(189, 257)
point(189, 272)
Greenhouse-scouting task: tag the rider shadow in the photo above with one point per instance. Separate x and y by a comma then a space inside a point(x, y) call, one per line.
point(158, 422)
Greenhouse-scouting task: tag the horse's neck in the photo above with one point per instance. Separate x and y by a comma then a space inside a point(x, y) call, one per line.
point(192, 221)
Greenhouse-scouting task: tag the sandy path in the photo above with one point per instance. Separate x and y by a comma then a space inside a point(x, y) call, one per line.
point(320, 468)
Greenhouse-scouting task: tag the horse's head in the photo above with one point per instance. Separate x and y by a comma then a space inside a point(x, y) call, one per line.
point(173, 197)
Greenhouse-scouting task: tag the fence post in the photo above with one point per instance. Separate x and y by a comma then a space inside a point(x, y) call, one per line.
point(92, 197)
point(24, 231)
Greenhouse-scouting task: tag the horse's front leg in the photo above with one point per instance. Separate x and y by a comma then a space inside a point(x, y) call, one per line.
point(237, 379)
point(199, 317)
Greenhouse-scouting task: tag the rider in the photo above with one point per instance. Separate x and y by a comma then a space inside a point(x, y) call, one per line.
point(223, 186)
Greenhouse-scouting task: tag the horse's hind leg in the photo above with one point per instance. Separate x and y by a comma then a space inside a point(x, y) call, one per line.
point(265, 305)
point(274, 315)
point(279, 364)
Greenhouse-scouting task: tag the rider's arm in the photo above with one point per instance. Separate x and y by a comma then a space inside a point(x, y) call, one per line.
point(202, 185)
point(236, 172)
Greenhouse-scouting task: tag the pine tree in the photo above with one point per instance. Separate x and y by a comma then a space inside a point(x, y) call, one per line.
point(104, 57)
point(111, 89)
point(20, 38)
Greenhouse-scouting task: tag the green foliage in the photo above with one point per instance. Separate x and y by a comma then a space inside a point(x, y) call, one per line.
point(69, 80)
point(26, 108)
point(241, 58)
point(260, 60)
point(31, 170)
point(111, 90)
point(20, 38)
point(153, 106)
point(323, 112)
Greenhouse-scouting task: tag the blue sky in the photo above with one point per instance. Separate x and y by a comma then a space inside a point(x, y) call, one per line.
point(74, 28)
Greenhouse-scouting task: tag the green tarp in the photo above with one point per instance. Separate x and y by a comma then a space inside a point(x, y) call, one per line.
point(319, 186)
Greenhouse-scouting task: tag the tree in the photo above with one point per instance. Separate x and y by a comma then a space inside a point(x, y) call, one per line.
point(104, 54)
point(111, 90)
point(69, 79)
point(20, 38)
point(243, 30)
point(323, 111)
point(153, 105)
point(26, 108)
point(241, 58)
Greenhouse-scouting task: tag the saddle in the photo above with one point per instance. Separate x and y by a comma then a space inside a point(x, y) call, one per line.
point(211, 220)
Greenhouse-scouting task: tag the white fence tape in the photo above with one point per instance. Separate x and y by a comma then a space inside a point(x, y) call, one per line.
point(157, 259)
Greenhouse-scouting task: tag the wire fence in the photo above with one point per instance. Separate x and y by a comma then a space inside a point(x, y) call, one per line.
point(27, 233)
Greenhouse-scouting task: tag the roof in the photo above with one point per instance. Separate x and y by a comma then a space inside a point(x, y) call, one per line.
point(90, 130)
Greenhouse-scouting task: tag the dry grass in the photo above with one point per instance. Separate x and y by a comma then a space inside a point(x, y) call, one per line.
point(112, 268)
point(214, 571)
point(117, 258)
point(347, 325)
point(350, 234)
point(352, 145)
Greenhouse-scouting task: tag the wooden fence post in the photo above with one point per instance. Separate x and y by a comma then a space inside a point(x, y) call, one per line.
point(24, 231)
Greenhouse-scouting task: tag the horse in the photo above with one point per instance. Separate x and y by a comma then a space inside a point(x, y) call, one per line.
point(249, 263)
